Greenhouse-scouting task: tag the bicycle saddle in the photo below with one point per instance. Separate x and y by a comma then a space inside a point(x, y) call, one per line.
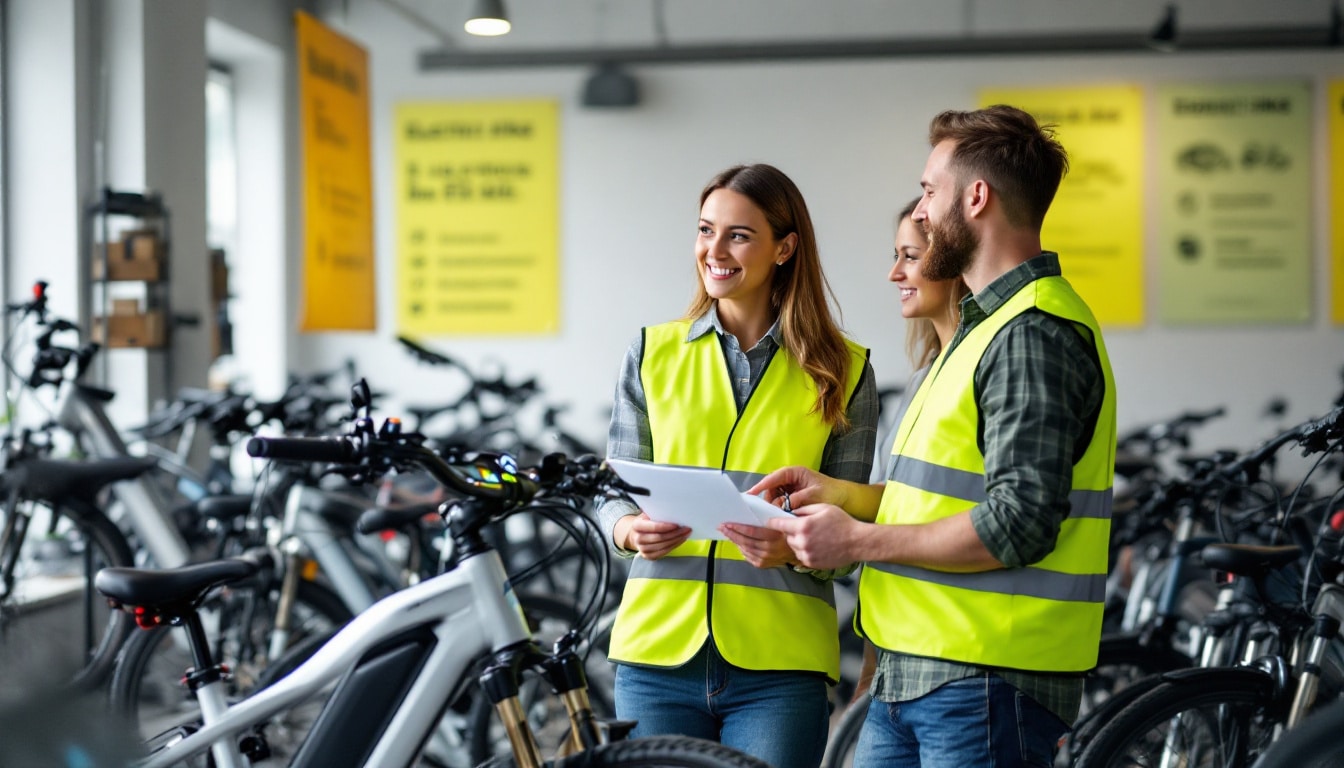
point(393, 518)
point(167, 591)
point(1249, 559)
point(57, 479)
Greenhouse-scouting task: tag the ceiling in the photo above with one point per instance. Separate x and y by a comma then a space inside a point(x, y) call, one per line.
point(559, 32)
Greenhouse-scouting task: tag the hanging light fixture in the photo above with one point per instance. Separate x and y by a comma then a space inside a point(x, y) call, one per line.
point(1163, 37)
point(488, 19)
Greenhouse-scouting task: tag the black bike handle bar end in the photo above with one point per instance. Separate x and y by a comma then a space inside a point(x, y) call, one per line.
point(333, 450)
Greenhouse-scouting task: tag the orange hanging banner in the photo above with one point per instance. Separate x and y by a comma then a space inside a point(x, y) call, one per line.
point(338, 259)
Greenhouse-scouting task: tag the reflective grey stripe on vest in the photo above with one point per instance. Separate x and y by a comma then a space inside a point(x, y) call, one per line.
point(744, 480)
point(1031, 582)
point(737, 572)
point(960, 484)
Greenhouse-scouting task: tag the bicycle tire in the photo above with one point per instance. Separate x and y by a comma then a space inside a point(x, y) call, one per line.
point(100, 628)
point(844, 738)
point(145, 686)
point(1126, 669)
point(1314, 743)
point(1184, 713)
point(649, 752)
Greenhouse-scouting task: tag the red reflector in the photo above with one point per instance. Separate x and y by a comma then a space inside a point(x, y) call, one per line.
point(1337, 520)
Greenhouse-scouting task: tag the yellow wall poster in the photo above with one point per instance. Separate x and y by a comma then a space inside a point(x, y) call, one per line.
point(338, 260)
point(1096, 220)
point(1234, 164)
point(477, 218)
point(1335, 127)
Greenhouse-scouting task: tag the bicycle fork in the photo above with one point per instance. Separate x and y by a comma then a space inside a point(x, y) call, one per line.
point(1329, 613)
point(563, 672)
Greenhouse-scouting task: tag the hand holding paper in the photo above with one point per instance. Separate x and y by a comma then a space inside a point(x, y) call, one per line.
point(700, 499)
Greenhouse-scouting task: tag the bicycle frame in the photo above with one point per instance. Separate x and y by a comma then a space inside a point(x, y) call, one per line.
point(81, 412)
point(431, 633)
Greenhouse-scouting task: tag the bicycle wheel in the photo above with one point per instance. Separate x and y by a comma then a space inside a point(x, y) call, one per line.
point(146, 686)
point(845, 736)
point(1315, 743)
point(1209, 717)
point(680, 751)
point(1126, 669)
point(648, 752)
point(55, 560)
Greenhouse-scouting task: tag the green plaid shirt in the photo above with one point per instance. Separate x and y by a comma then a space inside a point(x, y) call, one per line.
point(1039, 389)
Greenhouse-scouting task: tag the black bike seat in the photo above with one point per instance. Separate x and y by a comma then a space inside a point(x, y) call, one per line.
point(393, 518)
point(167, 589)
point(57, 479)
point(1248, 559)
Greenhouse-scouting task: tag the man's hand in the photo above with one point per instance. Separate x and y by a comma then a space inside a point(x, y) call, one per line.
point(822, 536)
point(803, 485)
point(649, 538)
point(762, 547)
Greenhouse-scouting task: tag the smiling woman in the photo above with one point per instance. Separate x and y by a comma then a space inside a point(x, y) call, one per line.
point(694, 639)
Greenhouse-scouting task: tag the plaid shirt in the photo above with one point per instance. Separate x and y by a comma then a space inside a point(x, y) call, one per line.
point(847, 455)
point(1039, 389)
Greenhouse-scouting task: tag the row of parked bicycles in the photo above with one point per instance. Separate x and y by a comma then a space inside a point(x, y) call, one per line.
point(435, 592)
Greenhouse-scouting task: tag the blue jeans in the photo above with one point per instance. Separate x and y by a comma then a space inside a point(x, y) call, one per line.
point(779, 717)
point(980, 721)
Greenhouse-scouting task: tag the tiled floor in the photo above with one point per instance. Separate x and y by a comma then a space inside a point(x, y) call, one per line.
point(36, 643)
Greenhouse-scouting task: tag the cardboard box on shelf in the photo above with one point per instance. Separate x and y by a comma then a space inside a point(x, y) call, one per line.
point(122, 329)
point(122, 307)
point(137, 255)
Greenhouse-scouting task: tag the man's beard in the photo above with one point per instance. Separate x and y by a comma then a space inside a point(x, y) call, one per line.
point(952, 246)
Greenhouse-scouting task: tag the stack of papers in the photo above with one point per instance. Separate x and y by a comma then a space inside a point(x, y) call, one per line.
point(700, 499)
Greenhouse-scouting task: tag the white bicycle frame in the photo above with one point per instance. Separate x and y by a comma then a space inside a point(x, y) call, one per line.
point(148, 511)
point(472, 609)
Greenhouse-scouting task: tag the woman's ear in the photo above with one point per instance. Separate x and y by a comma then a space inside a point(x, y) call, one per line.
point(786, 247)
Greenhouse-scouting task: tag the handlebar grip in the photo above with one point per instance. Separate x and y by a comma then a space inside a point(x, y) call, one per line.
point(335, 450)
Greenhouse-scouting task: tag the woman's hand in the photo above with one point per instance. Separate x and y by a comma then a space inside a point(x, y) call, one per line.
point(651, 539)
point(761, 547)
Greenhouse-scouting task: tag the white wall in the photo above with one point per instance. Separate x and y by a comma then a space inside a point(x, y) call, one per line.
point(852, 134)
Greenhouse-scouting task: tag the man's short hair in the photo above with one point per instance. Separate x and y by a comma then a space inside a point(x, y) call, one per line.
point(1020, 159)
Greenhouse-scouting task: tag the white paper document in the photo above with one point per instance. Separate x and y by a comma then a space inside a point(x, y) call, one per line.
point(700, 499)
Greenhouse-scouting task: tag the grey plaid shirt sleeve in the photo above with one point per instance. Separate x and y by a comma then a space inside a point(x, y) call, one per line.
point(628, 436)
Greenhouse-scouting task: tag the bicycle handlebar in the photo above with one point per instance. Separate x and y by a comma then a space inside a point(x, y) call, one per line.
point(321, 450)
point(1316, 435)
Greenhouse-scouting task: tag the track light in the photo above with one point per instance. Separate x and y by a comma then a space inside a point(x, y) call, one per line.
point(1163, 37)
point(610, 85)
point(488, 19)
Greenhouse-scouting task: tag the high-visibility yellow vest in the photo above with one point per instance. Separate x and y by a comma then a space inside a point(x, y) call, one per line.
point(1044, 617)
point(759, 619)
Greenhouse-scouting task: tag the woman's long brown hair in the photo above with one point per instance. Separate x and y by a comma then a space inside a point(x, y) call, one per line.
point(799, 291)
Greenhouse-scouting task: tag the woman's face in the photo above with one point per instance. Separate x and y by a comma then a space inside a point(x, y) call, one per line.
point(736, 249)
point(920, 297)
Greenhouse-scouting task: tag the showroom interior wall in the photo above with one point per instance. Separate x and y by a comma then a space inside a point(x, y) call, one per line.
point(109, 94)
point(852, 133)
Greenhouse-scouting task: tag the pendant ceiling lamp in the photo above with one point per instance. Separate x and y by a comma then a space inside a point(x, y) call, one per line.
point(488, 19)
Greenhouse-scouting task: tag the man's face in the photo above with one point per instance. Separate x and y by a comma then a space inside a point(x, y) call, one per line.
point(952, 241)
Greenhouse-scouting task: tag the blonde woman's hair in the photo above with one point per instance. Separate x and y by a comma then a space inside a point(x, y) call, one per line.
point(922, 344)
point(799, 289)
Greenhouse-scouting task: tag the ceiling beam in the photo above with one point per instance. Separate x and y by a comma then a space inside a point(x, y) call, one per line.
point(1283, 38)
